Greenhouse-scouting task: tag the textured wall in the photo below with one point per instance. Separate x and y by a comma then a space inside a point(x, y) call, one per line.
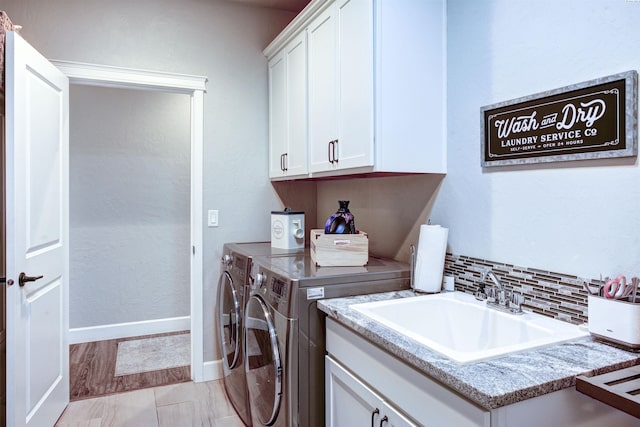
point(389, 209)
point(129, 205)
point(212, 38)
point(580, 218)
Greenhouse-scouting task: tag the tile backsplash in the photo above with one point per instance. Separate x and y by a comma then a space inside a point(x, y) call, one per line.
point(556, 295)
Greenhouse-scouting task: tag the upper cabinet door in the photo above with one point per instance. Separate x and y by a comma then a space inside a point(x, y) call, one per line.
point(323, 90)
point(355, 65)
point(341, 87)
point(296, 63)
point(277, 116)
point(288, 110)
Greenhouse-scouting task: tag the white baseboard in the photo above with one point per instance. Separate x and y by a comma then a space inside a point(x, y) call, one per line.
point(212, 370)
point(126, 330)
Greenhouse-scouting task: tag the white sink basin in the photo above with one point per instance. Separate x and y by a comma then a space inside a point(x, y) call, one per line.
point(461, 328)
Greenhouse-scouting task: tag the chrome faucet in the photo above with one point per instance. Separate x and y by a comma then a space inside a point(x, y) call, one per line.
point(491, 275)
point(497, 296)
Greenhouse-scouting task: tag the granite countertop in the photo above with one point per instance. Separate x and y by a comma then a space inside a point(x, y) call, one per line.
point(492, 383)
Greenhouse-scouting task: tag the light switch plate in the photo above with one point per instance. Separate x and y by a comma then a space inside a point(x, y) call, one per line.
point(212, 218)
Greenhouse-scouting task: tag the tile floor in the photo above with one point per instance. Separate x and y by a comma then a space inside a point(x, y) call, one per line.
point(185, 404)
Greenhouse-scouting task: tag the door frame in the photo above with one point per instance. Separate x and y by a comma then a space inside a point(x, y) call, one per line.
point(194, 86)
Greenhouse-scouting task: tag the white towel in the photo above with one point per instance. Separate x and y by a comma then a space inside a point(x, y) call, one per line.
point(432, 248)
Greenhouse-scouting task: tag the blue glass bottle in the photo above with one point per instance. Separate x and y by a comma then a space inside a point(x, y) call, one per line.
point(341, 222)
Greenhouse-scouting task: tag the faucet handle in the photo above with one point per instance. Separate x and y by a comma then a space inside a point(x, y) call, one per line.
point(515, 301)
point(480, 295)
point(492, 293)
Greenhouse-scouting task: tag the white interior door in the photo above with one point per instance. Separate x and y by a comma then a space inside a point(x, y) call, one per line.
point(37, 205)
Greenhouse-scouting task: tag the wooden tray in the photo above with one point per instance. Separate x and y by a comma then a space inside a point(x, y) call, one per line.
point(620, 389)
point(339, 250)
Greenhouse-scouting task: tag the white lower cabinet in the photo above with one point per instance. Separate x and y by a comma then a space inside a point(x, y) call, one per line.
point(361, 377)
point(349, 402)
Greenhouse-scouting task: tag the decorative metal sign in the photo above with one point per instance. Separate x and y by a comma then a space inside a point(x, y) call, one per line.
point(590, 120)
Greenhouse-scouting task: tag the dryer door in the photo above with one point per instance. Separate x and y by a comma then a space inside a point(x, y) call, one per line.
point(262, 362)
point(229, 321)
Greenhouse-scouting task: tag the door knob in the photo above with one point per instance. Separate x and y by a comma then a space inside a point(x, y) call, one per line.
point(4, 280)
point(23, 279)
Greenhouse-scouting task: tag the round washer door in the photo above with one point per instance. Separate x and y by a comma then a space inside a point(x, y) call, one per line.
point(262, 362)
point(229, 321)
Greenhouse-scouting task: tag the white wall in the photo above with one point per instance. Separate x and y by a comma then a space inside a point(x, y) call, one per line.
point(212, 38)
point(581, 218)
point(129, 214)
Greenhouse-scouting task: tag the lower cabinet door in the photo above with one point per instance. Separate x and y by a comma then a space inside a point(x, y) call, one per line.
point(394, 418)
point(350, 402)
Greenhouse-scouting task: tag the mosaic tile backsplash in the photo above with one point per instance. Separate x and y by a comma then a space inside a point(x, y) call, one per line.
point(552, 294)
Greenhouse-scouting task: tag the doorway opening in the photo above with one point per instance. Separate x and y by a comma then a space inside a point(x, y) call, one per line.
point(194, 87)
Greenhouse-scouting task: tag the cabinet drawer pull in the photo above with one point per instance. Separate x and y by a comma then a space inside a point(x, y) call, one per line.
point(373, 415)
point(384, 420)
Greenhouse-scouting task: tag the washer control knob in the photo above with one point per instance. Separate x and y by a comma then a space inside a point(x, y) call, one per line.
point(259, 280)
point(227, 259)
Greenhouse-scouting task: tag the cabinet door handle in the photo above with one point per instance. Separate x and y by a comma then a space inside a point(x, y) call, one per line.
point(335, 157)
point(373, 415)
point(286, 160)
point(331, 153)
point(384, 420)
point(283, 162)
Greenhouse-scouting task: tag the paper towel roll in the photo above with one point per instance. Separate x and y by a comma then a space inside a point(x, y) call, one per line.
point(432, 248)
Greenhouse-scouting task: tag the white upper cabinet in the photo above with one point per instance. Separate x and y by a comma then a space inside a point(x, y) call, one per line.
point(323, 91)
point(376, 86)
point(341, 87)
point(288, 110)
point(277, 115)
point(355, 76)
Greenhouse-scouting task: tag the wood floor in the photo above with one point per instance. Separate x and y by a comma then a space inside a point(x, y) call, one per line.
point(92, 371)
point(185, 404)
point(166, 398)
